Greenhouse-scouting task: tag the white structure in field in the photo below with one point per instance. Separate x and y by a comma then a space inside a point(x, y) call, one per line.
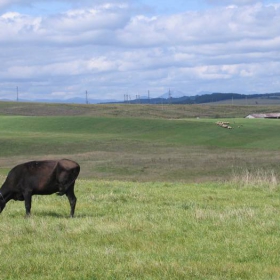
point(264, 116)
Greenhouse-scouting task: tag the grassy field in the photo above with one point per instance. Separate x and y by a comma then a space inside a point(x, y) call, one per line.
point(215, 110)
point(135, 149)
point(158, 197)
point(126, 230)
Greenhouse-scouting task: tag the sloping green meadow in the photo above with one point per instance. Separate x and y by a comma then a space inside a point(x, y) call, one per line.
point(260, 134)
point(157, 199)
point(125, 230)
point(142, 149)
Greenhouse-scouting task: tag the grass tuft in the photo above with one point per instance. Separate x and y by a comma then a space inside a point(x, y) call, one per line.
point(256, 178)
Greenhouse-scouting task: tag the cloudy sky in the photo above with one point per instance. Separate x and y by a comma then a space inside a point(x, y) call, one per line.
point(63, 48)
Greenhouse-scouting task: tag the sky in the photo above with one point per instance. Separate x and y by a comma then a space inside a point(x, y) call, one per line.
point(64, 48)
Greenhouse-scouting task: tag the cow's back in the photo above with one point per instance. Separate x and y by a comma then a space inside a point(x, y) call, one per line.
point(33, 175)
point(38, 175)
point(68, 164)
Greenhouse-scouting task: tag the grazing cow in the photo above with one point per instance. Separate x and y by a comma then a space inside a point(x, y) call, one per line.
point(40, 177)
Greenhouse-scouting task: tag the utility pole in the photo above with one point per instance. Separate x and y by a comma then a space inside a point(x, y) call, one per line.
point(170, 97)
point(86, 97)
point(17, 94)
point(126, 99)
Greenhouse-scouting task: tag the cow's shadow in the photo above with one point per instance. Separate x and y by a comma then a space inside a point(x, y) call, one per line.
point(60, 215)
point(50, 214)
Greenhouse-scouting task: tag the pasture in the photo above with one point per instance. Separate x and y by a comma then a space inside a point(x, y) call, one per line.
point(158, 198)
point(129, 230)
point(135, 149)
point(240, 110)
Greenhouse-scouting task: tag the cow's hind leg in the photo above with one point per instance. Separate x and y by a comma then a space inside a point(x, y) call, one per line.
point(72, 199)
point(28, 200)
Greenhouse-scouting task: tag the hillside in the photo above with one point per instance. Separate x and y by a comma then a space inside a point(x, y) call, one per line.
point(138, 110)
point(142, 149)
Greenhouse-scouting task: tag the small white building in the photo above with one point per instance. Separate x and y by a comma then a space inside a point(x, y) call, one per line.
point(264, 116)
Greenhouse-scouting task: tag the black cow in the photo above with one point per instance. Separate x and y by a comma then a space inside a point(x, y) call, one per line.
point(40, 177)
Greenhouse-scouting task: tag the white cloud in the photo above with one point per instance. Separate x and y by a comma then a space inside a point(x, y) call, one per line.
point(109, 48)
point(233, 2)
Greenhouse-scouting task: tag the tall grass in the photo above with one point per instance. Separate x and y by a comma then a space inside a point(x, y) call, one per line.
point(128, 230)
point(256, 178)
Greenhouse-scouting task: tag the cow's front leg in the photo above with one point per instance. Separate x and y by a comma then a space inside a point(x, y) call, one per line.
point(28, 201)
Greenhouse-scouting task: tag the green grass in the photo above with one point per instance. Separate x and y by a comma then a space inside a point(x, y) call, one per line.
point(162, 199)
point(142, 149)
point(246, 133)
point(126, 230)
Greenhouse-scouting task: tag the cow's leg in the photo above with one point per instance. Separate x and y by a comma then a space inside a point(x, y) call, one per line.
point(72, 199)
point(28, 201)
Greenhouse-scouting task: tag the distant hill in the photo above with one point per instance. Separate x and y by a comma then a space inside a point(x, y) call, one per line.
point(174, 97)
point(205, 98)
point(133, 111)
